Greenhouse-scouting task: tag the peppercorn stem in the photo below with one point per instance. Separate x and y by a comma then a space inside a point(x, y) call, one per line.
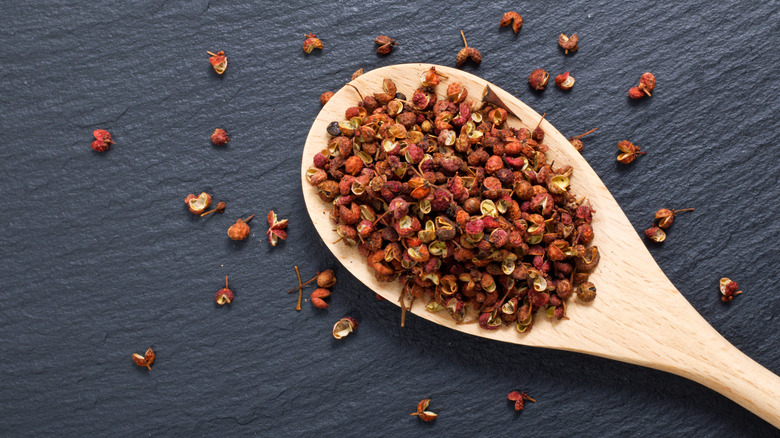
point(583, 135)
point(300, 289)
point(540, 121)
point(226, 284)
point(212, 54)
point(529, 398)
point(681, 210)
point(356, 89)
point(464, 39)
point(208, 212)
point(304, 284)
point(248, 219)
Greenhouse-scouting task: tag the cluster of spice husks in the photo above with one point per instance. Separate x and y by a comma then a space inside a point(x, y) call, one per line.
point(461, 209)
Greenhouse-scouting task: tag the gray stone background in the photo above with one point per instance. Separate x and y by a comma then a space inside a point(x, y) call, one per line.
point(101, 259)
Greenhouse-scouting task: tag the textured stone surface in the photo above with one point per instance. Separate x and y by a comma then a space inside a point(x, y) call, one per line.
point(101, 259)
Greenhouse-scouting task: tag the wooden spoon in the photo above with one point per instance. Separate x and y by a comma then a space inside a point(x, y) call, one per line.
point(638, 317)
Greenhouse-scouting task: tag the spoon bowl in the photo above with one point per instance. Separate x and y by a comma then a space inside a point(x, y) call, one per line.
point(639, 316)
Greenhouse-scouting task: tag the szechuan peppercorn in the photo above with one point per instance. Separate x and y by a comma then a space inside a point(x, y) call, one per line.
point(460, 208)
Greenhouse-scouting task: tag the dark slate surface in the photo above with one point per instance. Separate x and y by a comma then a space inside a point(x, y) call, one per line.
point(100, 258)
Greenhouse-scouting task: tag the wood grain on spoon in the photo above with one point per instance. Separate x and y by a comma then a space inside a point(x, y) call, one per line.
point(638, 317)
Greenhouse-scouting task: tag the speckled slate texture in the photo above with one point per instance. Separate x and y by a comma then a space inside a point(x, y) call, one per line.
point(100, 258)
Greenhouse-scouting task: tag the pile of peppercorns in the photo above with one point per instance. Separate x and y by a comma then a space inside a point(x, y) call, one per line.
point(461, 209)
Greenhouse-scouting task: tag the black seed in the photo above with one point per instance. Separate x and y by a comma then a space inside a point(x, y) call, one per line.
point(401, 96)
point(333, 129)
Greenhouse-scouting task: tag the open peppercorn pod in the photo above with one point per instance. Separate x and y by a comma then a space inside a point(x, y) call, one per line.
point(661, 330)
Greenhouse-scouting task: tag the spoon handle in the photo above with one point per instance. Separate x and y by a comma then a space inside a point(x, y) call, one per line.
point(713, 362)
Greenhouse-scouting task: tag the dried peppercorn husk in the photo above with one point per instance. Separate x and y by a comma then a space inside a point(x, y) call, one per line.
point(311, 42)
point(512, 18)
point(460, 208)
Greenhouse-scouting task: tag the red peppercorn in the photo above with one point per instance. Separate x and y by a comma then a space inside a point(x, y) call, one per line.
point(311, 42)
point(564, 81)
point(538, 79)
point(218, 61)
point(512, 18)
point(225, 295)
point(219, 137)
point(102, 140)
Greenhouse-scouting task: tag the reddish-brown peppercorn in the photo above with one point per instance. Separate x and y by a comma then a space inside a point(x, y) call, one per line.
point(538, 79)
point(220, 137)
point(240, 230)
point(146, 360)
point(564, 81)
point(311, 42)
point(728, 289)
point(224, 295)
point(102, 140)
point(198, 204)
point(318, 296)
point(422, 414)
point(519, 398)
point(586, 291)
point(218, 61)
point(647, 83)
point(577, 143)
point(467, 53)
point(655, 234)
point(325, 97)
point(344, 327)
point(512, 18)
point(629, 152)
point(386, 44)
point(635, 93)
point(568, 43)
point(359, 72)
point(276, 228)
point(665, 216)
point(326, 278)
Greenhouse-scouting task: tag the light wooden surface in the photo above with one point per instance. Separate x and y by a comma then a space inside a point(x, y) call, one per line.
point(638, 316)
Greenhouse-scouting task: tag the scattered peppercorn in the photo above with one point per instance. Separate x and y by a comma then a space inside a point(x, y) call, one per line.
point(519, 398)
point(665, 216)
point(317, 298)
point(564, 81)
point(102, 140)
point(647, 83)
point(311, 42)
point(325, 97)
point(198, 204)
point(467, 53)
point(326, 278)
point(385, 43)
point(577, 143)
point(344, 327)
point(219, 209)
point(655, 234)
point(220, 137)
point(225, 295)
point(538, 79)
point(568, 44)
point(218, 61)
point(728, 288)
point(629, 152)
point(512, 18)
point(358, 73)
point(471, 217)
point(421, 412)
point(240, 230)
point(276, 228)
point(146, 360)
point(635, 93)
